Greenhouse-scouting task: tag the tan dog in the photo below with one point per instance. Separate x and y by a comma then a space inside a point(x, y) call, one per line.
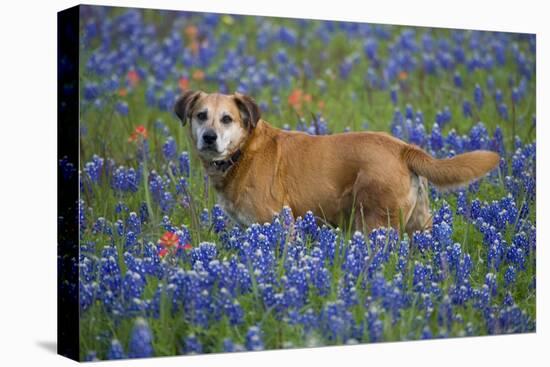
point(256, 169)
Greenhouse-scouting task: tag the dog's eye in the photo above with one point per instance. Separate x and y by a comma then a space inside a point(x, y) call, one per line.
point(227, 119)
point(201, 116)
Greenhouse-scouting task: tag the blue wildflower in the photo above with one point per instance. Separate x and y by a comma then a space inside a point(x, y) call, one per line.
point(116, 351)
point(191, 345)
point(510, 275)
point(478, 96)
point(141, 340)
point(121, 108)
point(169, 148)
point(254, 339)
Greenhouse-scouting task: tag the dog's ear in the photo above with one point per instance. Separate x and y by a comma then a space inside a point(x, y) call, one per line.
point(185, 103)
point(249, 109)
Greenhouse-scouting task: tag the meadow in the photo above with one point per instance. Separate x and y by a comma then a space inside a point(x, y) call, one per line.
point(163, 271)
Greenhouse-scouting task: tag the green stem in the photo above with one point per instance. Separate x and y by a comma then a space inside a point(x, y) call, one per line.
point(146, 184)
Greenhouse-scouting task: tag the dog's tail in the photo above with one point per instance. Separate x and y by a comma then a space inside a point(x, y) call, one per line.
point(451, 172)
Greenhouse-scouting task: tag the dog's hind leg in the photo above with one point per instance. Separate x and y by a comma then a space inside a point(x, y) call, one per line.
point(374, 207)
point(421, 216)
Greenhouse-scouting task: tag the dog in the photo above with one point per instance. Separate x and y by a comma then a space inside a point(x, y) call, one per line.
point(370, 178)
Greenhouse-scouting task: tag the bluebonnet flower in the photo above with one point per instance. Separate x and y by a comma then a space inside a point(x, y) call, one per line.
point(191, 345)
point(503, 111)
point(529, 185)
point(229, 346)
point(393, 95)
point(520, 241)
point(218, 219)
point(205, 218)
point(467, 108)
point(116, 351)
point(498, 97)
point(91, 91)
point(462, 204)
point(335, 321)
point(184, 164)
point(371, 48)
point(436, 139)
point(67, 168)
point(345, 68)
point(464, 269)
point(515, 95)
point(121, 108)
point(478, 96)
point(132, 286)
point(231, 307)
point(125, 179)
point(374, 324)
point(479, 137)
point(91, 356)
point(141, 340)
point(169, 148)
point(443, 117)
point(495, 253)
point(403, 254)
point(94, 168)
point(445, 313)
point(308, 225)
point(497, 143)
point(457, 79)
point(130, 242)
point(133, 223)
point(109, 271)
point(205, 252)
point(423, 240)
point(427, 304)
point(418, 134)
point(409, 112)
point(430, 65)
point(510, 275)
point(254, 339)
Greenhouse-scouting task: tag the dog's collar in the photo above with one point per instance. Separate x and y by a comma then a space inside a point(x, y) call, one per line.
point(226, 164)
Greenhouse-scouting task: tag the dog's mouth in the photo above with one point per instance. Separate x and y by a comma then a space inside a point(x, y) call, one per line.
point(210, 153)
point(209, 148)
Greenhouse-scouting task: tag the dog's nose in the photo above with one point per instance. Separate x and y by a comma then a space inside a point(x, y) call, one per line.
point(209, 137)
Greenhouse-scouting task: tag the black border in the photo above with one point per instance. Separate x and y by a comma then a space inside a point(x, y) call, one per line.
point(67, 185)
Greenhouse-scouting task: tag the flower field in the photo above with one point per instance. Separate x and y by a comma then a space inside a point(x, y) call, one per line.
point(162, 269)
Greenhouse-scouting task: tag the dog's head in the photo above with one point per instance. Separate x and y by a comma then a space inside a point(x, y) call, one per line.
point(220, 124)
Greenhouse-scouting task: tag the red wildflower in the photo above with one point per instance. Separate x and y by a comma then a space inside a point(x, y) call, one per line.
point(191, 31)
point(295, 98)
point(194, 46)
point(169, 239)
point(403, 75)
point(122, 92)
point(163, 252)
point(183, 83)
point(187, 246)
point(198, 75)
point(139, 131)
point(133, 78)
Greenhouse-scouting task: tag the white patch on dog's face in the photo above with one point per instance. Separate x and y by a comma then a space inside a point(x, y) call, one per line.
point(216, 128)
point(229, 138)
